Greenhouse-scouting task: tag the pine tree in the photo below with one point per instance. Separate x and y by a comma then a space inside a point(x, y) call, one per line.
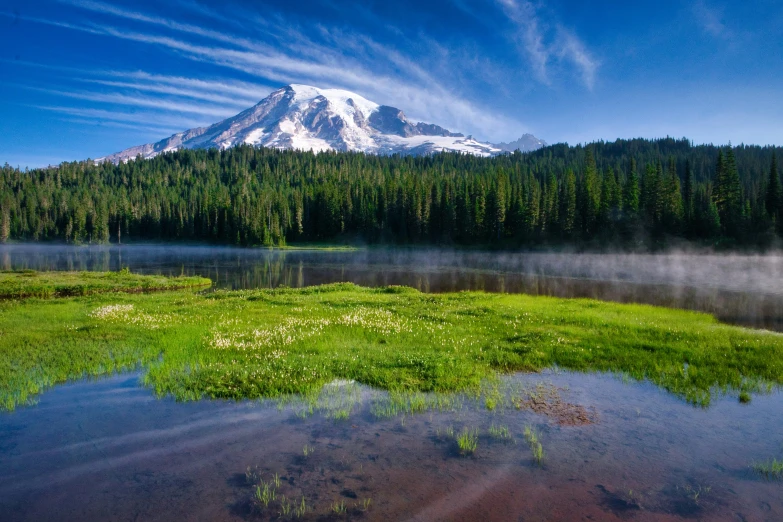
point(549, 205)
point(774, 195)
point(5, 225)
point(652, 193)
point(568, 201)
point(591, 194)
point(500, 207)
point(728, 194)
point(688, 197)
point(672, 197)
point(631, 191)
point(608, 188)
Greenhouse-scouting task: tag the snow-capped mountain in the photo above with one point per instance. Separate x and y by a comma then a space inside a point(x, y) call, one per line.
point(308, 118)
point(526, 143)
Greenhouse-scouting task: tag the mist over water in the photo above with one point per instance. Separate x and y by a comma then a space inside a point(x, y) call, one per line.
point(741, 289)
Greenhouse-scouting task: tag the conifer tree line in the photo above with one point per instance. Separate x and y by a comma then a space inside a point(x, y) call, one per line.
point(604, 192)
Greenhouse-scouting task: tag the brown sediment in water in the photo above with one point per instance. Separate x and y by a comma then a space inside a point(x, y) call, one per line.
point(547, 400)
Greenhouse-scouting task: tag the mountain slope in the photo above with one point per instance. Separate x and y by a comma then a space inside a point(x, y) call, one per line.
point(308, 118)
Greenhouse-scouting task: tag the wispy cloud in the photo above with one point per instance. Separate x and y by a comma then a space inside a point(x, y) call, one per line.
point(147, 130)
point(710, 19)
point(165, 88)
point(248, 91)
point(186, 102)
point(571, 48)
point(543, 44)
point(168, 105)
point(104, 8)
point(137, 118)
point(281, 53)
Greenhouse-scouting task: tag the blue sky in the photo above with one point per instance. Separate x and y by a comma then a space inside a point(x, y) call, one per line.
point(84, 78)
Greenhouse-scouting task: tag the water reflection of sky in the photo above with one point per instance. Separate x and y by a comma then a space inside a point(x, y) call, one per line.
point(107, 449)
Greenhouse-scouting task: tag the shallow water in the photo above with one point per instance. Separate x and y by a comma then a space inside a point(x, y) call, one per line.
point(118, 453)
point(746, 290)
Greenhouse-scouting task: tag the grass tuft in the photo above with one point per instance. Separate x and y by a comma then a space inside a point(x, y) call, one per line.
point(338, 508)
point(771, 469)
point(533, 440)
point(500, 433)
point(467, 441)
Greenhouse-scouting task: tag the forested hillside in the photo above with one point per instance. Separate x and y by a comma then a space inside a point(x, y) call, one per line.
point(624, 192)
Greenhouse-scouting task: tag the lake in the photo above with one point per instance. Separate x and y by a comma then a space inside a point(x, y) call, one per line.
point(108, 449)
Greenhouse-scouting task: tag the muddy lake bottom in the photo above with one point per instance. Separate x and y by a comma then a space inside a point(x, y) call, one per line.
point(109, 450)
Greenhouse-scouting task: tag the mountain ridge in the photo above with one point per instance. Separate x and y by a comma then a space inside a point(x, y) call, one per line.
point(526, 143)
point(303, 117)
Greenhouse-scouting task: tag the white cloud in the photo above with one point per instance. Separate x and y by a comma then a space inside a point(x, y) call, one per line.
point(542, 45)
point(143, 119)
point(572, 49)
point(248, 91)
point(169, 105)
point(179, 91)
point(149, 130)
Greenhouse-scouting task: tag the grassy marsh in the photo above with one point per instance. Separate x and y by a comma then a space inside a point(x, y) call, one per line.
point(275, 343)
point(30, 283)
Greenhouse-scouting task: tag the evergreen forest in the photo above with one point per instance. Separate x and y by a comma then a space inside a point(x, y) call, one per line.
point(623, 193)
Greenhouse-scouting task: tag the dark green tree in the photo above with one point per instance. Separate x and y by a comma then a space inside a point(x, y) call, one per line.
point(774, 195)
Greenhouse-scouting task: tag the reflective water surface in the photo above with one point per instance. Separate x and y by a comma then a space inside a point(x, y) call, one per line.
point(109, 450)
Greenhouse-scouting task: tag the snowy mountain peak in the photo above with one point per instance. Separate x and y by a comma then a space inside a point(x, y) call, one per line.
point(526, 143)
point(342, 101)
point(304, 117)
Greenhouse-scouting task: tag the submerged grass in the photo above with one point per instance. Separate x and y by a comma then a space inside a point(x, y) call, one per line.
point(533, 440)
point(500, 433)
point(771, 469)
point(274, 343)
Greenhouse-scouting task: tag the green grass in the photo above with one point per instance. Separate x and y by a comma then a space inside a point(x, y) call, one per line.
point(265, 494)
point(467, 441)
point(533, 440)
point(338, 508)
point(317, 246)
point(771, 469)
point(29, 283)
point(274, 343)
point(500, 433)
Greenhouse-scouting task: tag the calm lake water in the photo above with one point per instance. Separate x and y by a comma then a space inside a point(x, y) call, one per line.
point(109, 450)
